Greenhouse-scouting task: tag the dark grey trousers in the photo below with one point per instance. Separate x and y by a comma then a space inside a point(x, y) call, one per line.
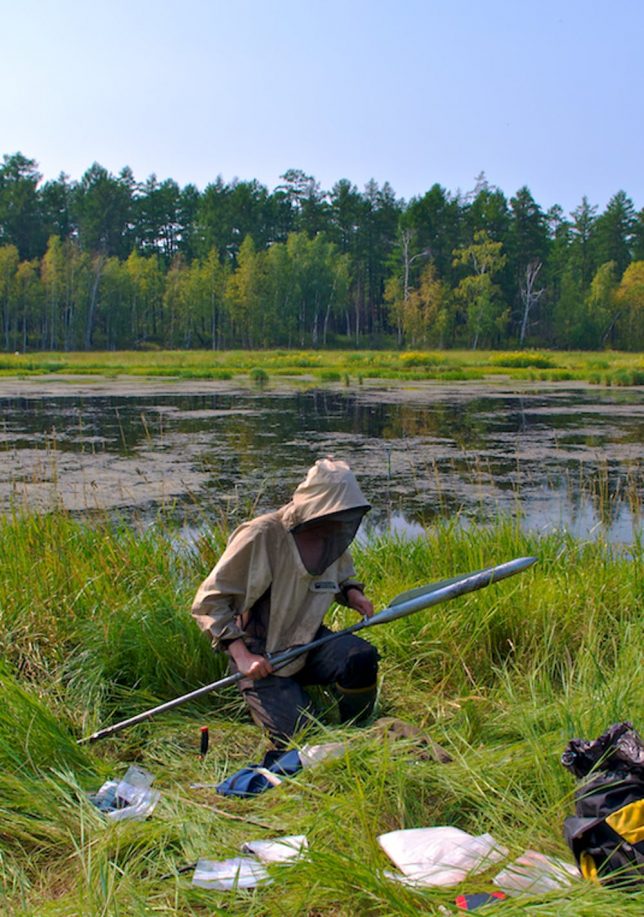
point(280, 704)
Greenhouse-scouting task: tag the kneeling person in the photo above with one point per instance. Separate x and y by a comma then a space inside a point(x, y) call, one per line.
point(270, 591)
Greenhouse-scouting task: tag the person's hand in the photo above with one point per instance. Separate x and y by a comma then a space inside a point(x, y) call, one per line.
point(257, 667)
point(360, 602)
point(249, 664)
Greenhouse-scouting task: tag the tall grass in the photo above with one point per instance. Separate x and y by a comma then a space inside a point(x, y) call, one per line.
point(606, 368)
point(95, 626)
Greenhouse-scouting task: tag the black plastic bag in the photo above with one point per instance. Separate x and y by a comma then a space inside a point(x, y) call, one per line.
point(607, 833)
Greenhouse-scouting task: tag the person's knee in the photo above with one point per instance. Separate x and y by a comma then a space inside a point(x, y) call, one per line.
point(280, 706)
point(360, 669)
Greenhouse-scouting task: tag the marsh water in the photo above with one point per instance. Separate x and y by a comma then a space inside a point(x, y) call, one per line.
point(557, 457)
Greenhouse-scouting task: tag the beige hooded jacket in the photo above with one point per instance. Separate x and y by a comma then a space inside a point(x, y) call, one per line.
point(260, 589)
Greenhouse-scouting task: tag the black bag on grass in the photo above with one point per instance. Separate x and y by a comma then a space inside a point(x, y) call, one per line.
point(607, 833)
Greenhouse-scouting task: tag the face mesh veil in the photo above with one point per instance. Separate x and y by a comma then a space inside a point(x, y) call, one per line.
point(325, 539)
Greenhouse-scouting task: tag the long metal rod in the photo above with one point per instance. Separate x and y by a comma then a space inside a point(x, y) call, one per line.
point(405, 604)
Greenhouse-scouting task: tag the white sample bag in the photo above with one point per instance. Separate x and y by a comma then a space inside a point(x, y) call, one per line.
point(238, 872)
point(279, 850)
point(439, 856)
point(311, 755)
point(247, 872)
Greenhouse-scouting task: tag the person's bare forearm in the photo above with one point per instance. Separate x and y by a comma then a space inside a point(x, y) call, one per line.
point(249, 664)
point(357, 600)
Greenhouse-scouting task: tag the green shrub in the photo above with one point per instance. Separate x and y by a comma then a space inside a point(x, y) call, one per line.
point(305, 362)
point(414, 359)
point(628, 377)
point(522, 360)
point(259, 376)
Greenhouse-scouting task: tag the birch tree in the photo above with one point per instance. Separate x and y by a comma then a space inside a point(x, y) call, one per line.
point(484, 313)
point(530, 295)
point(630, 295)
point(53, 280)
point(9, 261)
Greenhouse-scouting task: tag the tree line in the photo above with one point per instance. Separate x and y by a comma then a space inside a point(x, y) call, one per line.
point(107, 262)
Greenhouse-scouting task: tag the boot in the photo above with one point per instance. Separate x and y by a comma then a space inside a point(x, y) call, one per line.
point(356, 704)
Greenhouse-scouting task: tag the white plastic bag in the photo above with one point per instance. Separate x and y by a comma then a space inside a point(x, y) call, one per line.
point(438, 856)
point(535, 873)
point(279, 850)
point(314, 754)
point(238, 872)
point(247, 872)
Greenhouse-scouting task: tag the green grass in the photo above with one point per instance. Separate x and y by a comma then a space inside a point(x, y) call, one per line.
point(607, 368)
point(95, 627)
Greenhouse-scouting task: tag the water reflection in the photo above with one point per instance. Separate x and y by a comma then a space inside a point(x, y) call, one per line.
point(559, 458)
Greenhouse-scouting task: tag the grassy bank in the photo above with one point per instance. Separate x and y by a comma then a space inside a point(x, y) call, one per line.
point(605, 368)
point(95, 627)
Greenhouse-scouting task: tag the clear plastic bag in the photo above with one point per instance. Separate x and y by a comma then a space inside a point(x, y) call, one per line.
point(535, 873)
point(279, 850)
point(311, 755)
point(228, 875)
point(129, 798)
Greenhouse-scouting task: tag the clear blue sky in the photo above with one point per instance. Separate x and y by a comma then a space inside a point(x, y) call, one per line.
point(548, 94)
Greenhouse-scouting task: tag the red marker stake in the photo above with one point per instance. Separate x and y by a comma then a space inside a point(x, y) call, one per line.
point(204, 742)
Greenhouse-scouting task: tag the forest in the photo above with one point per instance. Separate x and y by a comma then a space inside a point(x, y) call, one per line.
point(110, 263)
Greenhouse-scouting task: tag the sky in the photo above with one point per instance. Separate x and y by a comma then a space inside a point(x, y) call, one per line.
point(546, 94)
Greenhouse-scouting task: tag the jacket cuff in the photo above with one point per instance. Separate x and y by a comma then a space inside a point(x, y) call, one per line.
point(344, 588)
point(221, 641)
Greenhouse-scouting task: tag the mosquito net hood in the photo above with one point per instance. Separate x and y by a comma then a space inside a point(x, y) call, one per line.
point(325, 514)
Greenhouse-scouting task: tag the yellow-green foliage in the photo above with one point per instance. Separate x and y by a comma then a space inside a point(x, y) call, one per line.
point(611, 367)
point(522, 359)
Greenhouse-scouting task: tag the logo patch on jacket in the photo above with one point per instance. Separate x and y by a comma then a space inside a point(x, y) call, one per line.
point(324, 585)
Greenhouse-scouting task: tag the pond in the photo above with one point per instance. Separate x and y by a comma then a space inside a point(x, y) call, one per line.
point(556, 455)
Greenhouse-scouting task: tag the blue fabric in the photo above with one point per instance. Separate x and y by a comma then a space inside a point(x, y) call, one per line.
point(474, 901)
point(249, 781)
